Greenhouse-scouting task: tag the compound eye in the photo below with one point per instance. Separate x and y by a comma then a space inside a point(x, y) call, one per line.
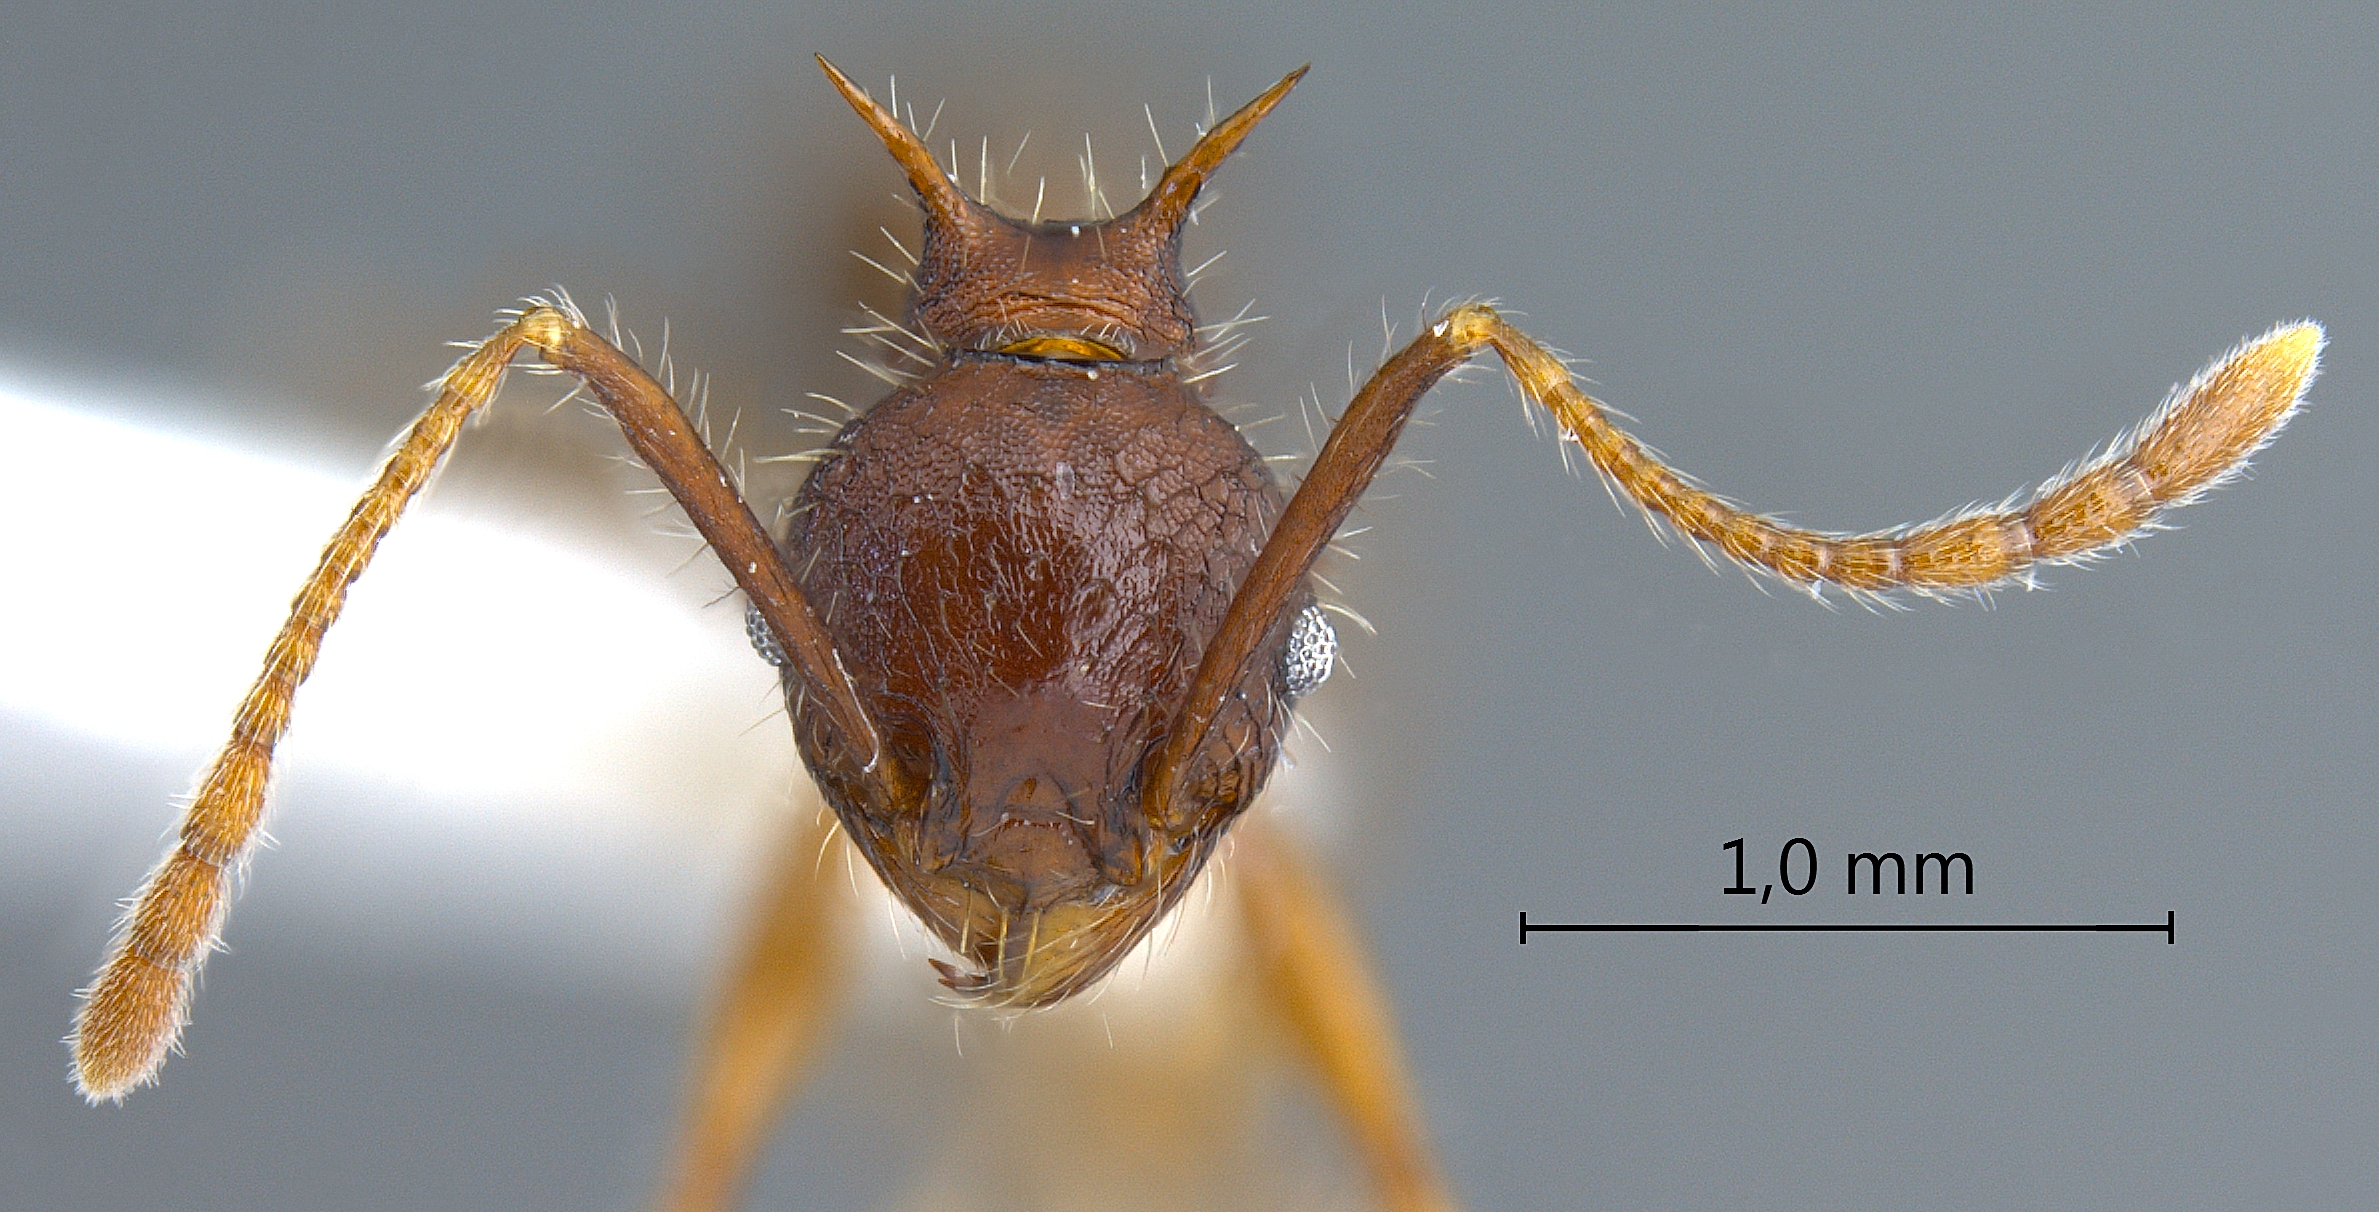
point(763, 638)
point(1311, 653)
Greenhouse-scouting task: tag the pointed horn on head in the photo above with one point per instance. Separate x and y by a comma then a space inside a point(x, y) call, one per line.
point(943, 199)
point(1169, 203)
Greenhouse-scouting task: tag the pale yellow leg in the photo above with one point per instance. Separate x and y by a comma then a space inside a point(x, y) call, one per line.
point(771, 1018)
point(1318, 976)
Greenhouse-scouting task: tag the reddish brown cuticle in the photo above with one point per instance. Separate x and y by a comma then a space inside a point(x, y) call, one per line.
point(1020, 559)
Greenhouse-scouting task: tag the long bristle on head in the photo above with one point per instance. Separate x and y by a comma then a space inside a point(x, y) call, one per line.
point(1095, 290)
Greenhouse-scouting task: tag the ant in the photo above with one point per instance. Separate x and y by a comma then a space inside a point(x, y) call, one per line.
point(1043, 618)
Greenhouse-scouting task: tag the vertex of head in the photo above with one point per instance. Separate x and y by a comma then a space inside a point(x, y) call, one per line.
point(1111, 290)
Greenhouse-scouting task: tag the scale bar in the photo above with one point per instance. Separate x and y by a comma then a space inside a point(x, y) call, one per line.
point(2165, 928)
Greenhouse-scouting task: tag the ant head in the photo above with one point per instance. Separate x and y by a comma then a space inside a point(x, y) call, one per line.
point(1021, 562)
point(1109, 291)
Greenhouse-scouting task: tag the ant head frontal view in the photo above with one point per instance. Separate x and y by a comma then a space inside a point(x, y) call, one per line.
point(1019, 558)
point(1042, 618)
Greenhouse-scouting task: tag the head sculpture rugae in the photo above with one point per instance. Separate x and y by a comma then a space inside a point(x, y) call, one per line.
point(1020, 558)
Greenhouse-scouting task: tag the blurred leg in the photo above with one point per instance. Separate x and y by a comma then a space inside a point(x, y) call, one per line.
point(769, 1022)
point(1318, 977)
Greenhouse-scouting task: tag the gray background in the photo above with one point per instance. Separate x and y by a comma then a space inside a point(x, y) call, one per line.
point(1856, 264)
